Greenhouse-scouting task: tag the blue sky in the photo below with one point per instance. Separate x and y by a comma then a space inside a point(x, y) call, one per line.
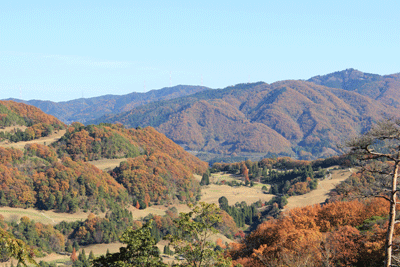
point(61, 51)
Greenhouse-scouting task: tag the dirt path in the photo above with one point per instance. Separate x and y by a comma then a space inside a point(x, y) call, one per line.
point(321, 193)
point(43, 141)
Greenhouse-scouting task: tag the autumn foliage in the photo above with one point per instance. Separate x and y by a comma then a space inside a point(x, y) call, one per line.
point(340, 234)
point(156, 169)
point(38, 124)
point(30, 112)
point(114, 141)
point(156, 178)
point(36, 178)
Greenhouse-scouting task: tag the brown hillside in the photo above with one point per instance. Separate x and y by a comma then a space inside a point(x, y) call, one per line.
point(154, 141)
point(296, 118)
point(217, 126)
point(310, 114)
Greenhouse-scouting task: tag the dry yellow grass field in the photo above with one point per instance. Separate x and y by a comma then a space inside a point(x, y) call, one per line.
point(211, 193)
point(107, 164)
point(320, 194)
point(13, 128)
point(43, 216)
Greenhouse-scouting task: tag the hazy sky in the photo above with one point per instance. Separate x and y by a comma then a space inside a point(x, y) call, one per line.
point(61, 51)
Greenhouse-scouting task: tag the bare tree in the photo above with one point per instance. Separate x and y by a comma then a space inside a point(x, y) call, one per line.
point(382, 142)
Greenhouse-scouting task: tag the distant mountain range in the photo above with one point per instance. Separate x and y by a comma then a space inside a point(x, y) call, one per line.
point(382, 88)
point(303, 119)
point(84, 109)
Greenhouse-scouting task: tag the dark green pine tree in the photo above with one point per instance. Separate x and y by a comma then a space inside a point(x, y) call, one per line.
point(205, 180)
point(91, 255)
point(167, 250)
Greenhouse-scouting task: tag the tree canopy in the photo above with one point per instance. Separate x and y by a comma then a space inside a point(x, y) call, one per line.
point(140, 250)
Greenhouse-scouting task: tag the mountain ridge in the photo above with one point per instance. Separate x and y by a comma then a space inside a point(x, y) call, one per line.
point(84, 109)
point(293, 117)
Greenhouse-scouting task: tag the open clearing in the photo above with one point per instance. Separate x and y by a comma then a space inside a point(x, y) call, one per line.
point(211, 193)
point(13, 128)
point(320, 194)
point(106, 164)
point(43, 216)
point(43, 140)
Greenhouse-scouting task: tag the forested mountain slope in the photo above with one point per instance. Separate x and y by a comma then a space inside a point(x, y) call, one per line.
point(296, 118)
point(85, 109)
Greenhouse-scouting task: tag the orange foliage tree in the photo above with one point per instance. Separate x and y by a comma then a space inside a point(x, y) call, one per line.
point(316, 235)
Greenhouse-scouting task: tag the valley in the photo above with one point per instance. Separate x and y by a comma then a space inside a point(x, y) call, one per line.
point(210, 194)
point(82, 186)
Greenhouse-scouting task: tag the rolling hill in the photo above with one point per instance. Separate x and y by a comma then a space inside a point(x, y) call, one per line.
point(20, 122)
point(59, 177)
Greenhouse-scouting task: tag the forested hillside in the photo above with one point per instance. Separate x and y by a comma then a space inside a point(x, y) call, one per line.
point(21, 122)
point(58, 176)
point(294, 118)
point(36, 178)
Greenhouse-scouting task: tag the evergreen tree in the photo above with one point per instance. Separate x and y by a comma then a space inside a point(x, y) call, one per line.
point(205, 180)
point(167, 250)
point(223, 203)
point(69, 248)
point(82, 256)
point(75, 245)
point(91, 255)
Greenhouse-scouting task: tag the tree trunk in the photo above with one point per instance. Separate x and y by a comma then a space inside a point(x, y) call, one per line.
point(392, 217)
